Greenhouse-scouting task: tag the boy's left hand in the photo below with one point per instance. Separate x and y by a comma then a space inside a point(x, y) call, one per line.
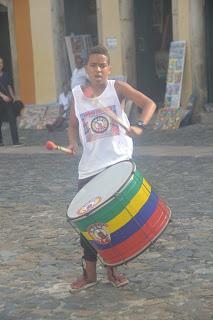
point(134, 131)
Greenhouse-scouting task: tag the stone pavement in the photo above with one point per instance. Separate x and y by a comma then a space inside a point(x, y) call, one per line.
point(40, 252)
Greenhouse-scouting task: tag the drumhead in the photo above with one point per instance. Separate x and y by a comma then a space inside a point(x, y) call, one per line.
point(100, 189)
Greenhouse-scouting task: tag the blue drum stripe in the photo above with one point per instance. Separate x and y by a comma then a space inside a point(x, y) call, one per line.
point(135, 224)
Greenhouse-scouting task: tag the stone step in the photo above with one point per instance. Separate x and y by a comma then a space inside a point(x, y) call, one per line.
point(206, 117)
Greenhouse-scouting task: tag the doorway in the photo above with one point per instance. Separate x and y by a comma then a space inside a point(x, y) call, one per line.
point(153, 34)
point(5, 50)
point(209, 48)
point(81, 18)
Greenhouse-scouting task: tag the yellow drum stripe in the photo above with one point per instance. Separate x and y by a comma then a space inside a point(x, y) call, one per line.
point(133, 206)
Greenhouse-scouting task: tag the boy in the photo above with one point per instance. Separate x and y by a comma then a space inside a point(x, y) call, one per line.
point(104, 142)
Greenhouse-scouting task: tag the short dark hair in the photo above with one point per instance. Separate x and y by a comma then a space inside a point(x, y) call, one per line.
point(99, 49)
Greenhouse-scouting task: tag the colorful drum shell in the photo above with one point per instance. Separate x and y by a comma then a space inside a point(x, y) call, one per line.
point(127, 224)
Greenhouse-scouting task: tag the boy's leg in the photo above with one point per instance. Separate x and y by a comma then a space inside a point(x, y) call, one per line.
point(83, 282)
point(116, 278)
point(89, 276)
point(90, 258)
point(89, 261)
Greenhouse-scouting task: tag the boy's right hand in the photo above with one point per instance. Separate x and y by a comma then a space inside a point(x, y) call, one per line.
point(134, 131)
point(73, 147)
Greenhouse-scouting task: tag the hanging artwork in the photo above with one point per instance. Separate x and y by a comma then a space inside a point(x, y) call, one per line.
point(78, 45)
point(175, 74)
point(170, 116)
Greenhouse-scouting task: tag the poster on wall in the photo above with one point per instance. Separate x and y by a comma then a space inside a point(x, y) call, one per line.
point(78, 45)
point(175, 74)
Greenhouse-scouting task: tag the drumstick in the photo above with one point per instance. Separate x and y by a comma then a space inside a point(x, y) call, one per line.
point(50, 145)
point(89, 93)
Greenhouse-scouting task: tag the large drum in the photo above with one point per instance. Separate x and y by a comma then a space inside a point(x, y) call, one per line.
point(119, 213)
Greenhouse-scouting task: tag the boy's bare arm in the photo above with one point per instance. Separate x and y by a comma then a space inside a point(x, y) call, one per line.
point(142, 101)
point(73, 131)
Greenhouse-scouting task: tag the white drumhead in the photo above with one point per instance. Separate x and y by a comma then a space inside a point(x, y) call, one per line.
point(100, 189)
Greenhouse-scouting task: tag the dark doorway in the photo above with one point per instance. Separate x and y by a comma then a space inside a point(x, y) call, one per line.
point(209, 47)
point(81, 18)
point(5, 50)
point(153, 34)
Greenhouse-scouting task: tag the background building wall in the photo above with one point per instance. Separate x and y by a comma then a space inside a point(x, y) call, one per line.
point(24, 51)
point(60, 55)
point(127, 39)
point(116, 23)
point(198, 54)
point(181, 31)
point(43, 51)
point(109, 28)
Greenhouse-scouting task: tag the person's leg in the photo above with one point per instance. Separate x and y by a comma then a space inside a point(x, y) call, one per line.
point(89, 259)
point(12, 122)
point(56, 124)
point(1, 122)
point(1, 138)
point(116, 278)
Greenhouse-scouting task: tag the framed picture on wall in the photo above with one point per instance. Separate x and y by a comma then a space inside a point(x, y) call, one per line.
point(78, 45)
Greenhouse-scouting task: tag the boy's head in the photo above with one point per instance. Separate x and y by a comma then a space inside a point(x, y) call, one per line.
point(98, 65)
point(99, 50)
point(79, 62)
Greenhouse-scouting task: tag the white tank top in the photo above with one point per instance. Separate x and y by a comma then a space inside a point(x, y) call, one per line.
point(104, 141)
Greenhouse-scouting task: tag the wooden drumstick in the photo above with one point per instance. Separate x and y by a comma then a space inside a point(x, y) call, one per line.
point(90, 94)
point(50, 145)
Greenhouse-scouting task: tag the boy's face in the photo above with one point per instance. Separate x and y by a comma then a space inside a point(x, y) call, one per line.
point(98, 68)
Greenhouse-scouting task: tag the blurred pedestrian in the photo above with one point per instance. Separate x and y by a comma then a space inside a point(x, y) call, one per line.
point(9, 108)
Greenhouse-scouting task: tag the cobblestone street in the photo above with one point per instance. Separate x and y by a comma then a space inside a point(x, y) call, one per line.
point(40, 252)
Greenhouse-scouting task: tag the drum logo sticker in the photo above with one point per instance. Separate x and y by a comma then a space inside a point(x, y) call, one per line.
point(89, 206)
point(99, 233)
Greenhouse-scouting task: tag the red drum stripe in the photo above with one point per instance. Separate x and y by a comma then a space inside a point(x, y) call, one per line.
point(139, 241)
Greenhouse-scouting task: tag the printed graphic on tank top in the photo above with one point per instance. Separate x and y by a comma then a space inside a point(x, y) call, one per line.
point(97, 124)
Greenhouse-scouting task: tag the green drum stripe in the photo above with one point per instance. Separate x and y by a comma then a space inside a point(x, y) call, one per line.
point(114, 207)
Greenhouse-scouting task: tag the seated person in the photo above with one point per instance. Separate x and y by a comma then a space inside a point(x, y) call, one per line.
point(79, 75)
point(64, 106)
